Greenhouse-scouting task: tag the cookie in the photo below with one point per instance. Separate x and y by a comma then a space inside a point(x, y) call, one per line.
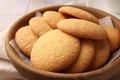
point(84, 58)
point(52, 17)
point(54, 51)
point(113, 37)
point(82, 29)
point(39, 26)
point(78, 13)
point(25, 39)
point(101, 55)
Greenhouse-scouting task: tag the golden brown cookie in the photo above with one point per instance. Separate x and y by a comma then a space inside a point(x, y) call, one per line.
point(101, 55)
point(84, 58)
point(39, 26)
point(79, 13)
point(52, 17)
point(54, 51)
point(25, 39)
point(82, 29)
point(113, 37)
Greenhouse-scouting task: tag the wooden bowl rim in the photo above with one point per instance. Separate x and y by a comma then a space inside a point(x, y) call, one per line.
point(16, 59)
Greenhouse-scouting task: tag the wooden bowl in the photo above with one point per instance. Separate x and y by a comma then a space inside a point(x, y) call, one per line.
point(104, 73)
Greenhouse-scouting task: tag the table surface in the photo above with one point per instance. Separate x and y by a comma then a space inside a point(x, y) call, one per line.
point(11, 10)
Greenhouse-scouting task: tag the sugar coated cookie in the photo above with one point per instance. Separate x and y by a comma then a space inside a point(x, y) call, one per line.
point(39, 26)
point(52, 17)
point(54, 51)
point(84, 58)
point(25, 39)
point(82, 29)
point(79, 13)
point(101, 55)
point(113, 37)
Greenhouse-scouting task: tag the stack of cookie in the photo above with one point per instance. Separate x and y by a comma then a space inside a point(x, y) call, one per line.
point(69, 40)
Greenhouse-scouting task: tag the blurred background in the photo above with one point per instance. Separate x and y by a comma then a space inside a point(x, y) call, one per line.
point(11, 10)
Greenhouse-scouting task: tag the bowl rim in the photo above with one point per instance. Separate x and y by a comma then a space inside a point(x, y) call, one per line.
point(17, 60)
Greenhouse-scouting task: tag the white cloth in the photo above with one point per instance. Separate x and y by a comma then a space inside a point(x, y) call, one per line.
point(2, 46)
point(7, 70)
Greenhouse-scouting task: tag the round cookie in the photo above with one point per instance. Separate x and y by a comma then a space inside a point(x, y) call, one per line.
point(84, 58)
point(39, 26)
point(79, 13)
point(54, 51)
point(25, 39)
point(113, 37)
point(82, 29)
point(101, 55)
point(52, 17)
